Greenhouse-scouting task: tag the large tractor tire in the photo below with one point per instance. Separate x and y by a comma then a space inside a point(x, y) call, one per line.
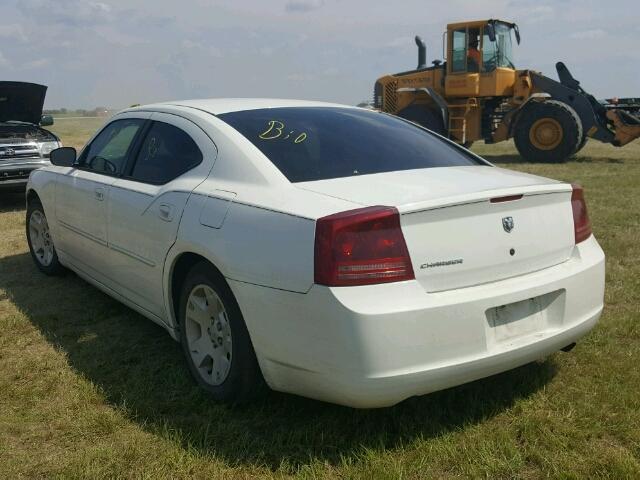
point(548, 131)
point(422, 115)
point(582, 143)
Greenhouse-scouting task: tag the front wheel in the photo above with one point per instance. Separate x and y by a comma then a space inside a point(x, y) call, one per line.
point(549, 131)
point(582, 143)
point(215, 339)
point(41, 246)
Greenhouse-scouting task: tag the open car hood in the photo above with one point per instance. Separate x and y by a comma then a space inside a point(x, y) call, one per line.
point(21, 101)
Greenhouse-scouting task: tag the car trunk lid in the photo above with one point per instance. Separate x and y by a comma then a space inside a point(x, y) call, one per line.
point(466, 226)
point(483, 241)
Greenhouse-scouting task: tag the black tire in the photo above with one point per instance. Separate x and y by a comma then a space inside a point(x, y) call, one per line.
point(422, 115)
point(558, 114)
point(49, 265)
point(244, 380)
point(582, 143)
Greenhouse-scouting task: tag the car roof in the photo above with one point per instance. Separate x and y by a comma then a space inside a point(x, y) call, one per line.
point(218, 106)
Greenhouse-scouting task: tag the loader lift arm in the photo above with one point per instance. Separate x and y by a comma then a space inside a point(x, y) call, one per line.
point(618, 121)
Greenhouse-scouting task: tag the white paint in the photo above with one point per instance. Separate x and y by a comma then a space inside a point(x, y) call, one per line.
point(367, 346)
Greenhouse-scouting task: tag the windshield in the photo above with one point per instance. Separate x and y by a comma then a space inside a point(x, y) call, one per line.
point(317, 143)
point(504, 57)
point(498, 53)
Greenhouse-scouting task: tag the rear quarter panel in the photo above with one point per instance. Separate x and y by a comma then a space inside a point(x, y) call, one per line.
point(251, 244)
point(247, 219)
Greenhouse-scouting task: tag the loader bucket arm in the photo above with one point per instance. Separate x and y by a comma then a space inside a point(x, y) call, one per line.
point(615, 121)
point(568, 81)
point(591, 112)
point(626, 125)
point(566, 78)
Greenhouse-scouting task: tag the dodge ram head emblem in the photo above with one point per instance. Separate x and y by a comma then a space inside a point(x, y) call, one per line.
point(507, 224)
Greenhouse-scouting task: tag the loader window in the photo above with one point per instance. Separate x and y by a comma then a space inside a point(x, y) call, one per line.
point(473, 50)
point(459, 51)
point(504, 47)
point(489, 54)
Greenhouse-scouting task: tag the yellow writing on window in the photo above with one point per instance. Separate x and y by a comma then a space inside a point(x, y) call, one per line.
point(277, 129)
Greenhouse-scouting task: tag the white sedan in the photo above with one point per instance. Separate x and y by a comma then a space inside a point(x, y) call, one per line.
point(330, 251)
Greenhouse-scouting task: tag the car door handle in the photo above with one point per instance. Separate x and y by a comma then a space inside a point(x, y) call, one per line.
point(166, 212)
point(99, 193)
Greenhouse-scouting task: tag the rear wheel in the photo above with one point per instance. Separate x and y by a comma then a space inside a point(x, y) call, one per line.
point(215, 339)
point(40, 242)
point(422, 115)
point(549, 131)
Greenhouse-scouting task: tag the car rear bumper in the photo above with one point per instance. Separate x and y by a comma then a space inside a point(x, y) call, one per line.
point(374, 346)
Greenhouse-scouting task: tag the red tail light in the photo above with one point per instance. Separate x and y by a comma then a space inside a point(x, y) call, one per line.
point(581, 223)
point(361, 247)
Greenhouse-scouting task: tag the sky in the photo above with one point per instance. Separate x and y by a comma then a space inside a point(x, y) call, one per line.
point(116, 53)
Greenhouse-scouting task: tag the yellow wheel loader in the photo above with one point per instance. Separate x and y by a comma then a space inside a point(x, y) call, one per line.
point(478, 94)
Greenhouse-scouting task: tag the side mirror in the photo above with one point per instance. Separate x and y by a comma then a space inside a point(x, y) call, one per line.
point(491, 31)
point(46, 121)
point(63, 156)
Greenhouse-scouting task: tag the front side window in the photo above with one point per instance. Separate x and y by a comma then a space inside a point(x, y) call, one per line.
point(504, 46)
point(166, 153)
point(473, 50)
point(489, 54)
point(109, 150)
point(317, 143)
point(459, 51)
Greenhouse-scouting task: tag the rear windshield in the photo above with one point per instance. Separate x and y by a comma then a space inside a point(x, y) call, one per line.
point(317, 143)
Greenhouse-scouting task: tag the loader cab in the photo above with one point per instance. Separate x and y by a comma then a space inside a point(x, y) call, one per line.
point(480, 58)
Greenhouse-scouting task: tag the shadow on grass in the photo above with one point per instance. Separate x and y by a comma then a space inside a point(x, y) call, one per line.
point(11, 199)
point(140, 370)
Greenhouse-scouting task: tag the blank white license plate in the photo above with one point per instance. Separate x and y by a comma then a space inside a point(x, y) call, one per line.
point(518, 319)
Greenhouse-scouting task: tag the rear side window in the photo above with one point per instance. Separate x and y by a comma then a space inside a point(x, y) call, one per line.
point(317, 143)
point(109, 150)
point(166, 153)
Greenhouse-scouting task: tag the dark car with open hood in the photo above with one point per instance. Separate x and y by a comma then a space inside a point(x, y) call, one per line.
point(24, 144)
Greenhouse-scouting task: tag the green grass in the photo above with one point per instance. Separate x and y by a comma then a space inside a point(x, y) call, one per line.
point(89, 388)
point(75, 131)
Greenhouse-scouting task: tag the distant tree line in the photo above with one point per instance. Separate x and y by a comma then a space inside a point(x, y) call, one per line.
point(80, 112)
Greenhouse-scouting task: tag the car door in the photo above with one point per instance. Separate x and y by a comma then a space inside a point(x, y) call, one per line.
point(82, 193)
point(146, 204)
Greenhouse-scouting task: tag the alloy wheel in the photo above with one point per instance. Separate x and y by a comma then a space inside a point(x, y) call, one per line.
point(40, 238)
point(208, 334)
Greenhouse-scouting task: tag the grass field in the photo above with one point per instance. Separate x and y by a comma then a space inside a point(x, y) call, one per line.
point(90, 389)
point(75, 131)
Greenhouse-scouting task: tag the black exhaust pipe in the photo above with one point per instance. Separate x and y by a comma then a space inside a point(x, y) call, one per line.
point(422, 53)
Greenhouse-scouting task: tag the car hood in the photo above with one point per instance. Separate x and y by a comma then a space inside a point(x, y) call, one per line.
point(21, 102)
